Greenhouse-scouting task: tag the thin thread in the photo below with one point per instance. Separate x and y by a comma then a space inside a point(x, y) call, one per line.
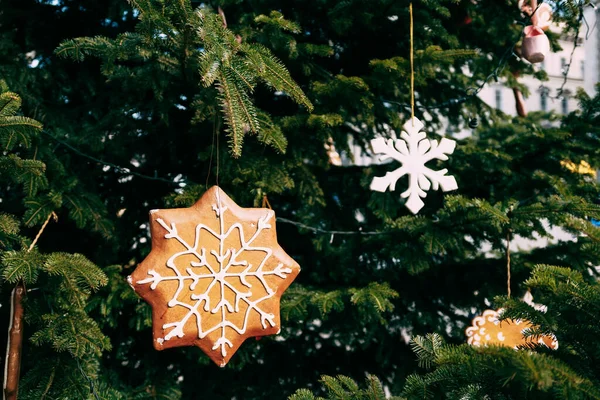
point(218, 150)
point(412, 68)
point(319, 230)
point(560, 91)
point(589, 30)
point(116, 167)
point(212, 150)
point(91, 382)
point(265, 203)
point(508, 262)
point(218, 165)
point(31, 246)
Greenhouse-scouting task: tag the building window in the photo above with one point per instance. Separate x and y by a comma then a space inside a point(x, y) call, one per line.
point(582, 69)
point(565, 105)
point(563, 65)
point(499, 99)
point(543, 65)
point(544, 100)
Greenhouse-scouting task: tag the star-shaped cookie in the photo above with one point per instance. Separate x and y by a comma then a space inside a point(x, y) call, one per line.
point(215, 275)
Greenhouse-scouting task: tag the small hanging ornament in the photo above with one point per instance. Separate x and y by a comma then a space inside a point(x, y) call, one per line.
point(487, 329)
point(215, 275)
point(413, 151)
point(535, 44)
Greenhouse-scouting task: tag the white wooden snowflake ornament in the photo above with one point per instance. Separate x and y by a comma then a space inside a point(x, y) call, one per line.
point(215, 275)
point(413, 150)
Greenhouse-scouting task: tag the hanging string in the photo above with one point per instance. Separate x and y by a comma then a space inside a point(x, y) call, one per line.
point(37, 237)
point(212, 151)
point(218, 161)
point(106, 163)
point(508, 238)
point(589, 30)
point(561, 90)
point(328, 232)
point(412, 68)
point(217, 127)
point(90, 380)
point(265, 202)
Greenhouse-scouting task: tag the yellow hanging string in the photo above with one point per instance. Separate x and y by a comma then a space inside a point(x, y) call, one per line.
point(412, 68)
point(37, 237)
point(508, 237)
point(265, 202)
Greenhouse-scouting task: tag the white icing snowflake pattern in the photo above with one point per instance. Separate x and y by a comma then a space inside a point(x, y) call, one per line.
point(222, 269)
point(413, 151)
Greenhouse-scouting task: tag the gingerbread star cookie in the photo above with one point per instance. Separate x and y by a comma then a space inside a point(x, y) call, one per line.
point(488, 330)
point(215, 275)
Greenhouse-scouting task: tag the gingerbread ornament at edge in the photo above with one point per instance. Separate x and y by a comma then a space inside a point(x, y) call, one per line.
point(214, 276)
point(487, 329)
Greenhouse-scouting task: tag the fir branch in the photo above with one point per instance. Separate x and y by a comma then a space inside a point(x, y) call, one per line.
point(20, 266)
point(344, 388)
point(274, 73)
point(375, 295)
point(10, 102)
point(426, 348)
point(235, 126)
point(270, 133)
point(277, 20)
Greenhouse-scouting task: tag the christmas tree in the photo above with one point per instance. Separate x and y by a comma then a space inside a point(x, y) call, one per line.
point(146, 105)
point(55, 287)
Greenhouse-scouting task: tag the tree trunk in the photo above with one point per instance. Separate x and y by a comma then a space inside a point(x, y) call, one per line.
point(520, 103)
point(12, 367)
point(519, 100)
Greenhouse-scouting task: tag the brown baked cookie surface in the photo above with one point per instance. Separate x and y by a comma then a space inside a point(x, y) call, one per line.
point(215, 275)
point(487, 329)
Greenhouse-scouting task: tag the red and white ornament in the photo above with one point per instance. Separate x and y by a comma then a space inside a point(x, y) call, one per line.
point(536, 45)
